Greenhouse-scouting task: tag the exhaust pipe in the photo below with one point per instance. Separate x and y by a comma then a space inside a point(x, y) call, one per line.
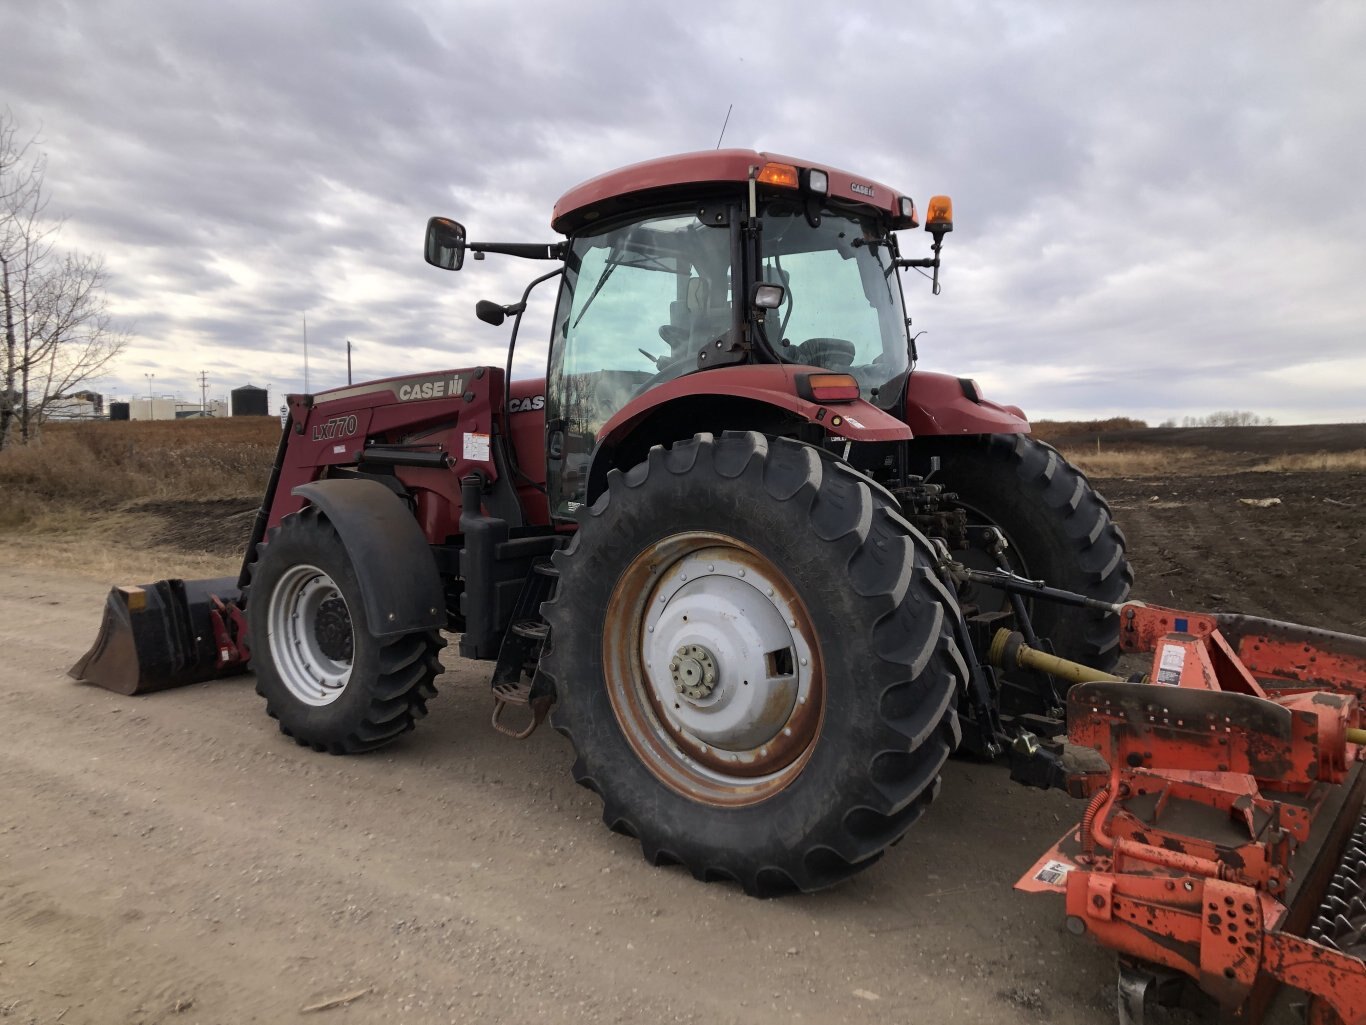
point(167, 634)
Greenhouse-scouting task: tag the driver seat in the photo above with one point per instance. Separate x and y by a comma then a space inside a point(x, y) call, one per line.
point(694, 321)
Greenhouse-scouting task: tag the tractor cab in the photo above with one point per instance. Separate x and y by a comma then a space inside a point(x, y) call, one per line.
point(706, 262)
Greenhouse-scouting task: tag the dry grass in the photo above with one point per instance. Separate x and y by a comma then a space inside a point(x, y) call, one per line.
point(1133, 460)
point(1339, 462)
point(1049, 430)
point(1142, 461)
point(101, 556)
point(96, 466)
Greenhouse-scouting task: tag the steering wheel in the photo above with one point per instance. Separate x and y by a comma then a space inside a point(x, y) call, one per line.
point(831, 353)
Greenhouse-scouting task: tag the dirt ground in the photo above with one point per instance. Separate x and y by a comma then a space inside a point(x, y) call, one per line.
point(174, 859)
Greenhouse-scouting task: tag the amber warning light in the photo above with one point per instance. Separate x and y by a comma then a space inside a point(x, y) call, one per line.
point(784, 175)
point(828, 388)
point(939, 215)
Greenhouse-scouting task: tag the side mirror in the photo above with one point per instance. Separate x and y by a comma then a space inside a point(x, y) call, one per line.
point(445, 246)
point(490, 312)
point(766, 296)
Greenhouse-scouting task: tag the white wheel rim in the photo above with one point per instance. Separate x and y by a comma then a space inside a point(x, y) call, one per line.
point(307, 671)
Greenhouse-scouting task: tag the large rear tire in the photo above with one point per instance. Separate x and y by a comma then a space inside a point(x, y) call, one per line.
point(332, 685)
point(1058, 527)
point(754, 658)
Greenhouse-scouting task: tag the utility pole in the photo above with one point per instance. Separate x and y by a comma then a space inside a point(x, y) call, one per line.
point(204, 392)
point(151, 397)
point(305, 320)
point(348, 361)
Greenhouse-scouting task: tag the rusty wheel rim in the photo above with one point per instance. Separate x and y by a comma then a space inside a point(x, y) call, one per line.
point(713, 669)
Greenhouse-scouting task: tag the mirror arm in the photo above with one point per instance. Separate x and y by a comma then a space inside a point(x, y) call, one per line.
point(526, 250)
point(931, 261)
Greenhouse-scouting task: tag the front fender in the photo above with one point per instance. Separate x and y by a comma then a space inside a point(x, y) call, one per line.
point(399, 582)
point(939, 404)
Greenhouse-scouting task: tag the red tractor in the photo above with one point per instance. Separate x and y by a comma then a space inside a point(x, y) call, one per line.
point(751, 561)
point(702, 539)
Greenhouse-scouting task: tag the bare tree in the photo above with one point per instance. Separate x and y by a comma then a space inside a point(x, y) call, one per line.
point(1228, 418)
point(58, 330)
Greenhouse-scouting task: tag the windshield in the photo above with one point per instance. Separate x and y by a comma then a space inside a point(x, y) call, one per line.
point(843, 309)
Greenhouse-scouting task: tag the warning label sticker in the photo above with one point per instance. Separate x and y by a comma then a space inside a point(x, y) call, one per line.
point(1053, 873)
point(477, 448)
point(1171, 663)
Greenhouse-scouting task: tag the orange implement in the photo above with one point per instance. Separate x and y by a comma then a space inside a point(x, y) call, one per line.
point(1223, 842)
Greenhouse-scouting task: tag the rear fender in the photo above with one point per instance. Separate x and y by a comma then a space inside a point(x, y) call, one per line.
point(939, 404)
point(750, 398)
point(399, 582)
point(773, 385)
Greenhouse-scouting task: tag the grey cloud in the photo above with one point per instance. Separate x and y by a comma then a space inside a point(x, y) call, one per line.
point(1157, 201)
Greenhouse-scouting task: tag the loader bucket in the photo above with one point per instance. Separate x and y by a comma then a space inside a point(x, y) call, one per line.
point(163, 635)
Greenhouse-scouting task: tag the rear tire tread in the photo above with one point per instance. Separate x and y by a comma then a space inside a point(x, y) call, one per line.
point(889, 568)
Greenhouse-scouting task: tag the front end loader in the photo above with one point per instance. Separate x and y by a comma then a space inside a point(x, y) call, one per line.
point(766, 576)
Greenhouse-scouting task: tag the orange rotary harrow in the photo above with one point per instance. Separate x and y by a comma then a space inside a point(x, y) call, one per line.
point(1222, 839)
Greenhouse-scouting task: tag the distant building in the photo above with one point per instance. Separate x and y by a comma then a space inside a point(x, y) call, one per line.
point(92, 397)
point(191, 410)
point(250, 400)
point(152, 409)
point(118, 411)
point(82, 405)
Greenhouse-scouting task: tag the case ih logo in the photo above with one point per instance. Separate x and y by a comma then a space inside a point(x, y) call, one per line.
point(337, 427)
point(435, 388)
point(861, 189)
point(526, 405)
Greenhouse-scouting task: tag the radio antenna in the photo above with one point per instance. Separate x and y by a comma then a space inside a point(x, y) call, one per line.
point(723, 126)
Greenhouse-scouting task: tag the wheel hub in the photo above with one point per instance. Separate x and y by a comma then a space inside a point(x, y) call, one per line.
point(332, 629)
point(694, 671)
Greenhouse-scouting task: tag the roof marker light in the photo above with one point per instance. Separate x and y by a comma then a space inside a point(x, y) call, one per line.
point(783, 175)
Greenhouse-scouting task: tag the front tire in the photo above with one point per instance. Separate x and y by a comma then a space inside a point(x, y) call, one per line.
point(754, 658)
point(332, 684)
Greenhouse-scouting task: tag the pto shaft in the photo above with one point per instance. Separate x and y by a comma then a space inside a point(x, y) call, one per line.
point(1009, 651)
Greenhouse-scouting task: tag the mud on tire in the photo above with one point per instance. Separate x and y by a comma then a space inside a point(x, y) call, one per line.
point(332, 685)
point(808, 536)
point(1059, 527)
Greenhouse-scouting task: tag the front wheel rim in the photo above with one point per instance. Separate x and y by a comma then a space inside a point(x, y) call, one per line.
point(713, 669)
point(311, 636)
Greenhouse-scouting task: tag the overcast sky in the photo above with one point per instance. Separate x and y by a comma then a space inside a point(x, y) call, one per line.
point(1160, 209)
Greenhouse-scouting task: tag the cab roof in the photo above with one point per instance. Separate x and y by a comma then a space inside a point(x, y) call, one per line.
point(700, 172)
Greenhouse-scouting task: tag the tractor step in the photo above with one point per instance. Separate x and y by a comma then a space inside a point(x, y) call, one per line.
point(531, 629)
point(519, 694)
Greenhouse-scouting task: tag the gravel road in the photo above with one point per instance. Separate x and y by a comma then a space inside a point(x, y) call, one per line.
point(173, 858)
